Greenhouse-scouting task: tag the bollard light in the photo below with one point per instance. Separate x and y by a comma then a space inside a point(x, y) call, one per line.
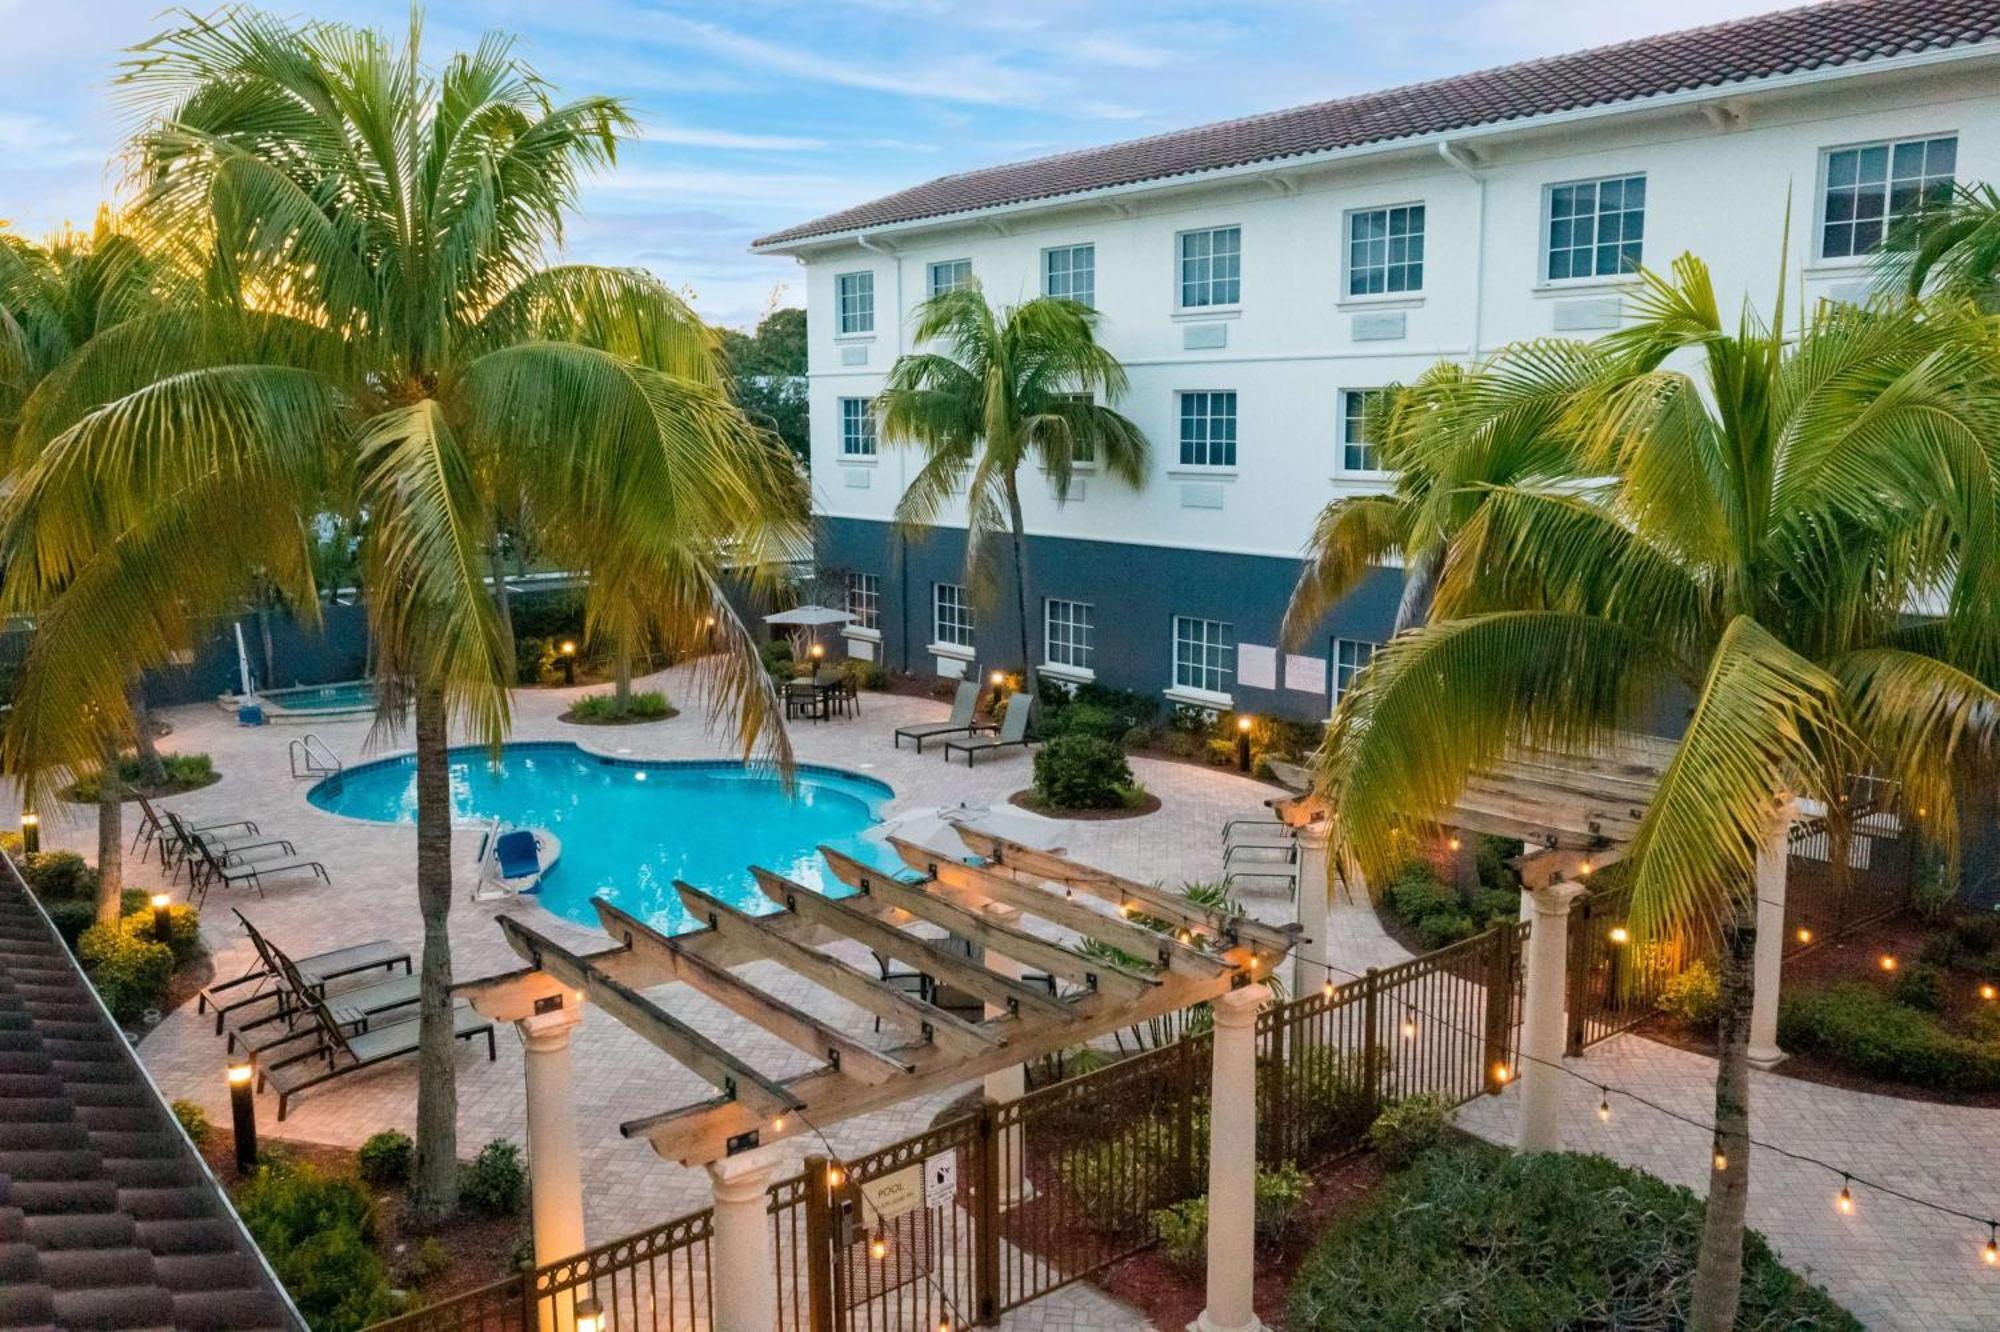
point(568, 650)
point(1243, 744)
point(589, 1315)
point(1887, 962)
point(997, 679)
point(31, 833)
point(817, 651)
point(243, 1112)
point(1803, 934)
point(162, 925)
point(1989, 991)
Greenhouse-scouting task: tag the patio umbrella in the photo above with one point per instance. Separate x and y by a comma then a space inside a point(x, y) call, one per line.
point(808, 617)
point(937, 828)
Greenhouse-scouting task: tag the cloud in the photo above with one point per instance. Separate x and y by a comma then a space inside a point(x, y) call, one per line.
point(714, 138)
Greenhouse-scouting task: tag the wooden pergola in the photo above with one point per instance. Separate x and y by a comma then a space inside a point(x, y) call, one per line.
point(1010, 903)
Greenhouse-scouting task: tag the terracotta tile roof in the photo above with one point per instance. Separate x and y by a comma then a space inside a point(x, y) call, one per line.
point(1839, 32)
point(108, 1219)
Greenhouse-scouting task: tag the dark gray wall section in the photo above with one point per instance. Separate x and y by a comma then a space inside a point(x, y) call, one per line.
point(1136, 592)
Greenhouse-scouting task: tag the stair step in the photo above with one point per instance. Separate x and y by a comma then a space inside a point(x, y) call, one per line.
point(115, 1307)
point(223, 1310)
point(91, 1269)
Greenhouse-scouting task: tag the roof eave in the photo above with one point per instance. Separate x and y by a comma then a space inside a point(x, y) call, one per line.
point(1690, 97)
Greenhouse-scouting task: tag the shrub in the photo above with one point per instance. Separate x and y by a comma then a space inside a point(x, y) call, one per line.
point(384, 1159)
point(1868, 1032)
point(183, 926)
point(1120, 1177)
point(188, 769)
point(71, 919)
point(60, 876)
point(315, 1228)
point(1081, 772)
point(646, 703)
point(1280, 1194)
point(1490, 855)
point(1978, 935)
point(1694, 996)
point(1409, 1128)
point(494, 1183)
point(1495, 906)
point(130, 971)
point(1445, 927)
point(182, 771)
point(1474, 1237)
point(1332, 1089)
point(1415, 891)
point(777, 658)
point(193, 1120)
point(1921, 988)
point(1183, 1227)
point(1086, 719)
point(865, 674)
point(1183, 1232)
point(427, 1261)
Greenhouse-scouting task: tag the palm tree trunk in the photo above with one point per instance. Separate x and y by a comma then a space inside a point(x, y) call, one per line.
point(434, 1192)
point(110, 840)
point(152, 772)
point(1020, 539)
point(1718, 1275)
point(621, 674)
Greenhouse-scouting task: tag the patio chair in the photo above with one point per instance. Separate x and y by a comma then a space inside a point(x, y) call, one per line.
point(316, 968)
point(153, 830)
point(1013, 732)
point(915, 983)
point(962, 722)
point(335, 1054)
point(188, 844)
point(803, 698)
point(356, 1006)
point(230, 869)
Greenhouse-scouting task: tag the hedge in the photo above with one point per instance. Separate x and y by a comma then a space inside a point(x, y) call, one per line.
point(1870, 1033)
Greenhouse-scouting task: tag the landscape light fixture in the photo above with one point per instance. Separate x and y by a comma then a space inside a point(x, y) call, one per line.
point(31, 833)
point(1620, 935)
point(162, 926)
point(243, 1113)
point(589, 1315)
point(1243, 744)
point(997, 679)
point(568, 650)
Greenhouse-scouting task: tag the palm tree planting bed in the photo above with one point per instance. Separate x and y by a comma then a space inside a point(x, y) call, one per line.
point(1147, 803)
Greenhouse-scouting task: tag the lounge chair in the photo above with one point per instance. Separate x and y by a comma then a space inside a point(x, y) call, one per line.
point(229, 868)
point(1013, 732)
point(153, 830)
point(316, 968)
point(963, 705)
point(356, 1006)
point(188, 843)
point(335, 1054)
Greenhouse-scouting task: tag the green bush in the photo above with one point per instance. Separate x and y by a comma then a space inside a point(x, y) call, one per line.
point(1868, 1032)
point(1475, 1237)
point(1280, 1194)
point(1415, 891)
point(1085, 719)
point(865, 674)
point(130, 971)
point(316, 1230)
point(1125, 1175)
point(1409, 1128)
point(71, 919)
point(1495, 906)
point(1490, 855)
point(1127, 710)
point(194, 1121)
point(188, 769)
point(1978, 935)
point(1445, 927)
point(1183, 1227)
point(1081, 772)
point(1183, 1232)
point(424, 1263)
point(777, 658)
point(494, 1183)
point(183, 772)
point(649, 704)
point(1921, 987)
point(1694, 995)
point(60, 876)
point(384, 1159)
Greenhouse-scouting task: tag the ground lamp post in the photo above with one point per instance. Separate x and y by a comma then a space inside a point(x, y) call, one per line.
point(162, 926)
point(31, 833)
point(568, 650)
point(243, 1112)
point(1243, 744)
point(817, 652)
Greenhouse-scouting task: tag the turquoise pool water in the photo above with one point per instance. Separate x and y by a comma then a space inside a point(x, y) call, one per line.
point(323, 698)
point(629, 828)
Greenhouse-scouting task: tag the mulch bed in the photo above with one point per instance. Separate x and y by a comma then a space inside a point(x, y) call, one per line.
point(627, 720)
point(1027, 799)
point(152, 791)
point(1855, 958)
point(479, 1248)
point(1173, 1297)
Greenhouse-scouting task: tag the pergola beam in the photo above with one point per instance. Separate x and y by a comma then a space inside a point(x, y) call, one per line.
point(829, 972)
point(793, 1025)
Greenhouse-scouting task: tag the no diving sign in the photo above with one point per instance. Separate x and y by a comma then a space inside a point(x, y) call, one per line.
point(941, 1179)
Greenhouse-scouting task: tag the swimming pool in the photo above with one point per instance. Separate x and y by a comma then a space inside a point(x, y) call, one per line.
point(320, 701)
point(629, 828)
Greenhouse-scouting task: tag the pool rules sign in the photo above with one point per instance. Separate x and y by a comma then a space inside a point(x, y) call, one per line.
point(941, 1179)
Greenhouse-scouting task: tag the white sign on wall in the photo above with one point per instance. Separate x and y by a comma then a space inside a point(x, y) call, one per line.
point(941, 1179)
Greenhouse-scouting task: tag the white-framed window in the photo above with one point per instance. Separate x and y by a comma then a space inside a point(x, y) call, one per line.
point(948, 275)
point(1211, 263)
point(1385, 250)
point(1350, 657)
point(1068, 633)
point(1596, 228)
point(857, 428)
point(1872, 186)
point(1208, 428)
point(1070, 271)
point(951, 615)
point(864, 600)
point(1204, 654)
point(1082, 452)
point(856, 294)
point(1357, 452)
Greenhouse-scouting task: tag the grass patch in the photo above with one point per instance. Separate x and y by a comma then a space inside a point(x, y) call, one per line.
point(1475, 1237)
point(184, 772)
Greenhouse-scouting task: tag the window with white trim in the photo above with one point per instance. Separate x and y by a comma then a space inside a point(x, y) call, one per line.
point(1204, 654)
point(1357, 452)
point(1350, 657)
point(1068, 633)
point(1208, 428)
point(1211, 267)
point(856, 298)
point(1070, 272)
point(951, 615)
point(864, 600)
point(1873, 186)
point(857, 428)
point(1596, 227)
point(1385, 250)
point(949, 275)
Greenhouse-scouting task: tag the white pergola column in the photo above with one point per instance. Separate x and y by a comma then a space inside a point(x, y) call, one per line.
point(1544, 991)
point(1314, 950)
point(1010, 1083)
point(555, 1173)
point(1769, 958)
point(742, 1259)
point(1232, 1165)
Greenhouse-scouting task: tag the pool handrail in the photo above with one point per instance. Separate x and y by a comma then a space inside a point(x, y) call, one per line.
point(306, 763)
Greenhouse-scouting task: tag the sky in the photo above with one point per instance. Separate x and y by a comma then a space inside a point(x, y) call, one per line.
point(759, 114)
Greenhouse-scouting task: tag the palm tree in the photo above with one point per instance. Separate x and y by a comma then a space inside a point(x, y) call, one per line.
point(1002, 390)
point(371, 329)
point(1771, 516)
point(1950, 246)
point(54, 300)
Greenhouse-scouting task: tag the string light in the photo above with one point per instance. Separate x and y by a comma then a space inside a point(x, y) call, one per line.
point(777, 1124)
point(1327, 989)
point(1887, 962)
point(878, 1246)
point(1620, 935)
point(1992, 1250)
point(1501, 1073)
point(1721, 1157)
point(835, 1176)
point(1410, 1022)
point(1804, 935)
point(1604, 1105)
point(1844, 1204)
